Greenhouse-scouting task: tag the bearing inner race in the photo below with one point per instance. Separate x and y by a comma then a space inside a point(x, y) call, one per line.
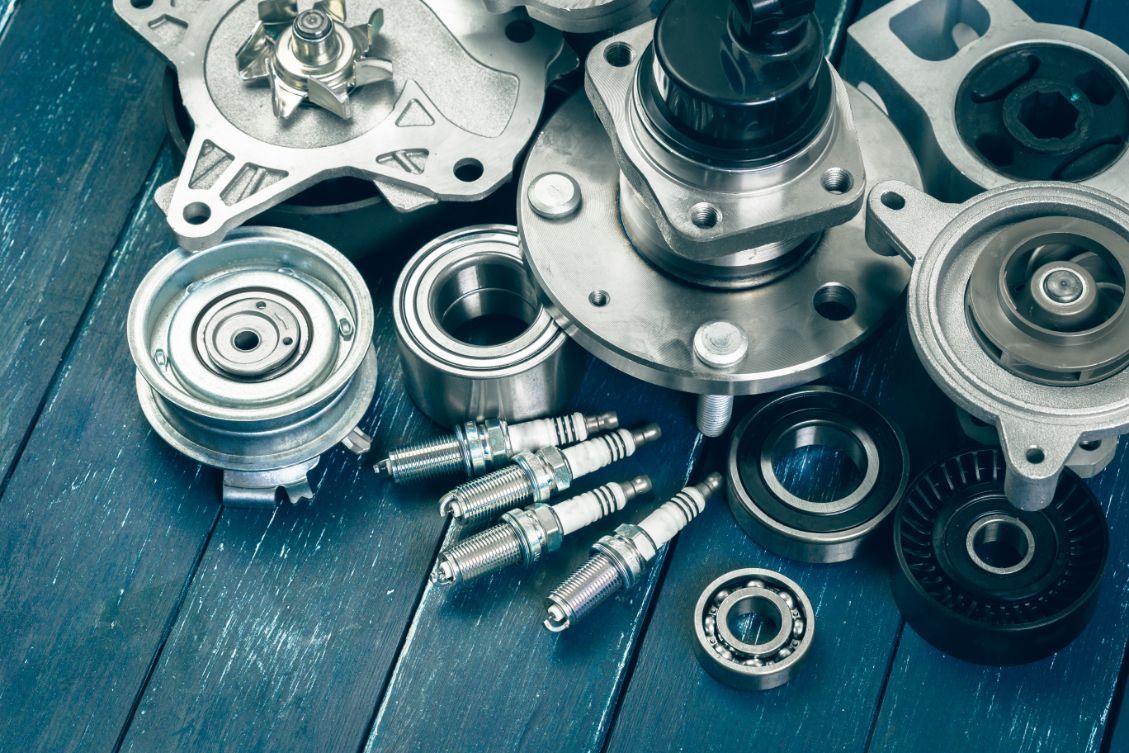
point(1000, 544)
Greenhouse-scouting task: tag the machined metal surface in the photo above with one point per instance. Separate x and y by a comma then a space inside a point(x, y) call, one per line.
point(255, 357)
point(783, 626)
point(620, 559)
point(643, 320)
point(932, 63)
point(474, 338)
point(988, 583)
point(461, 105)
point(1044, 424)
point(581, 16)
point(825, 530)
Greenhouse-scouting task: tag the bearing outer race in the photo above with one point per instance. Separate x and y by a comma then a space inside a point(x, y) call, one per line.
point(738, 675)
point(793, 533)
point(451, 381)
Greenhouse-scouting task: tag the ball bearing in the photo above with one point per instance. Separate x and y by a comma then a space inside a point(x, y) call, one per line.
point(804, 529)
point(775, 606)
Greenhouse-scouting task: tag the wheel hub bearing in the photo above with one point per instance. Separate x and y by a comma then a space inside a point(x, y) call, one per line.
point(255, 357)
point(1017, 308)
point(987, 96)
point(424, 135)
point(688, 211)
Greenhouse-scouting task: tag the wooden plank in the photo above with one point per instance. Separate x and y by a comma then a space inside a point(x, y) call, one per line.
point(1110, 18)
point(478, 657)
point(1019, 709)
point(100, 528)
point(831, 704)
point(1118, 736)
point(71, 161)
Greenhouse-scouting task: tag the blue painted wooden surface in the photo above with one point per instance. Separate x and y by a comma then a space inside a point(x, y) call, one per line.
point(139, 615)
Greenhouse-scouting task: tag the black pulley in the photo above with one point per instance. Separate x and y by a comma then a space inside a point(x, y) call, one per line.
point(989, 583)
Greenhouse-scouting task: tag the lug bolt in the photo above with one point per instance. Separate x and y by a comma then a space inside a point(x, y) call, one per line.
point(479, 446)
point(719, 345)
point(619, 560)
point(528, 534)
point(537, 475)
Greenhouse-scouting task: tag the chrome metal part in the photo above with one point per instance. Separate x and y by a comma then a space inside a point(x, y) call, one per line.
point(537, 475)
point(462, 104)
point(255, 356)
point(987, 96)
point(580, 16)
point(474, 338)
point(619, 560)
point(836, 526)
point(476, 447)
point(664, 244)
point(1055, 386)
point(524, 536)
point(780, 617)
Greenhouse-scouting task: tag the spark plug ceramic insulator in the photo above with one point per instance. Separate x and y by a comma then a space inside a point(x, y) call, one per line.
point(480, 446)
point(536, 476)
point(619, 560)
point(526, 535)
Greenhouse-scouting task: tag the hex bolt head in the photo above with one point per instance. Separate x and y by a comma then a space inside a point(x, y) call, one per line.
point(720, 344)
point(554, 196)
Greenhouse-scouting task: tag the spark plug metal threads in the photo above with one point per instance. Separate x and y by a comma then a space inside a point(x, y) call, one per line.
point(535, 476)
point(479, 446)
point(528, 534)
point(619, 560)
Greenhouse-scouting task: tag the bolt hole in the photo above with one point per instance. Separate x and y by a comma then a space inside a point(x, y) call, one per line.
point(704, 215)
point(197, 213)
point(893, 200)
point(141, 4)
point(599, 298)
point(754, 620)
point(520, 31)
point(288, 341)
point(261, 305)
point(835, 301)
point(246, 340)
point(619, 54)
point(1035, 455)
point(1090, 445)
point(468, 170)
point(837, 181)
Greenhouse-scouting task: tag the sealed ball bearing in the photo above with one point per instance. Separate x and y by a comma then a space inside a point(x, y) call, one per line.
point(773, 608)
point(475, 340)
point(812, 530)
point(255, 356)
point(986, 582)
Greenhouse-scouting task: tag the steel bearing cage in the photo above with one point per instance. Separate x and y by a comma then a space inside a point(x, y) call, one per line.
point(835, 531)
point(785, 652)
point(452, 381)
point(405, 143)
point(1040, 426)
point(920, 95)
point(281, 433)
point(959, 492)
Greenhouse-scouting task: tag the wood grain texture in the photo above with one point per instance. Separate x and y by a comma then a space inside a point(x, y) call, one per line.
point(100, 528)
point(481, 651)
point(71, 163)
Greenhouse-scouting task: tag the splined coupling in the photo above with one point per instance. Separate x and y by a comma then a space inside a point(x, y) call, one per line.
point(525, 535)
point(255, 356)
point(479, 446)
point(619, 560)
point(536, 476)
point(1018, 309)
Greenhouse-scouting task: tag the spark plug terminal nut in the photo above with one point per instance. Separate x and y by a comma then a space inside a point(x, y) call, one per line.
point(476, 447)
point(537, 475)
point(619, 560)
point(526, 535)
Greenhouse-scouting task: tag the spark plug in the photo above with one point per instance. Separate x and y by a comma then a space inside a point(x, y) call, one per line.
point(536, 476)
point(618, 560)
point(527, 534)
point(479, 446)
